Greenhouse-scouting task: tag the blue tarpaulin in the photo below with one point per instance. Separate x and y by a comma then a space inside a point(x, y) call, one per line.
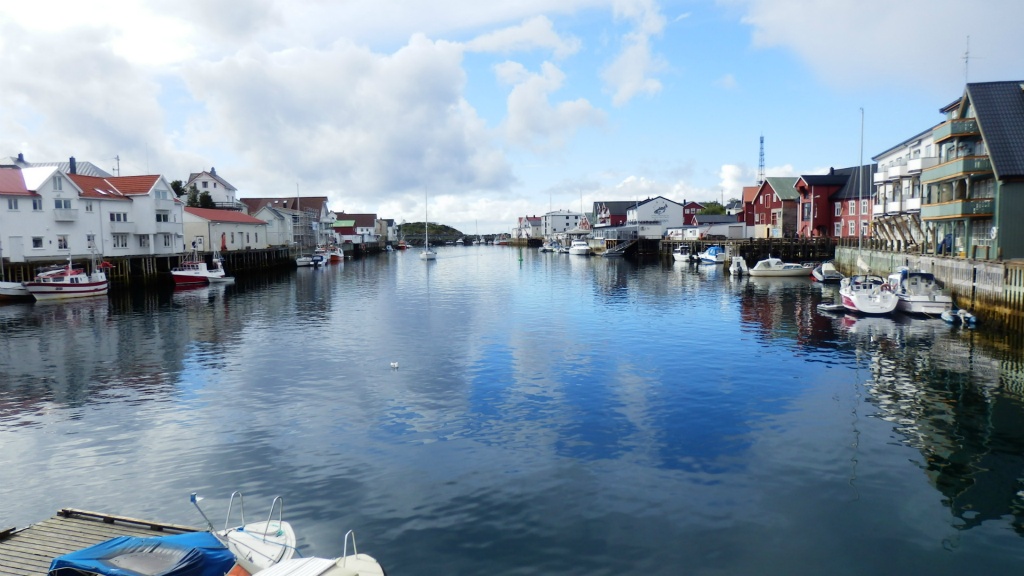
point(192, 554)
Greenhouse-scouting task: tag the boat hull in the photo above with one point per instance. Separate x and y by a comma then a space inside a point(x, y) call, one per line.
point(12, 291)
point(59, 291)
point(186, 279)
point(259, 545)
point(781, 273)
point(923, 305)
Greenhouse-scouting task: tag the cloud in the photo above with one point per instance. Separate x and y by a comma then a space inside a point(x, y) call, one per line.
point(534, 33)
point(533, 122)
point(896, 44)
point(630, 73)
point(727, 82)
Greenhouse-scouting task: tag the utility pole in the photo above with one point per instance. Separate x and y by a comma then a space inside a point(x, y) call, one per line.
point(860, 185)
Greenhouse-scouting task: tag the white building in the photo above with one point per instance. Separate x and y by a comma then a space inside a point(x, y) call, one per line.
point(559, 221)
point(654, 216)
point(213, 229)
point(223, 194)
point(280, 225)
point(897, 180)
point(47, 214)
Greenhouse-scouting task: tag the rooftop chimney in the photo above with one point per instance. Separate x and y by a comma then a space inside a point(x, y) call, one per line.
point(213, 171)
point(74, 166)
point(21, 157)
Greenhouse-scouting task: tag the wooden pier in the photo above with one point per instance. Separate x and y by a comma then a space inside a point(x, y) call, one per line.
point(29, 551)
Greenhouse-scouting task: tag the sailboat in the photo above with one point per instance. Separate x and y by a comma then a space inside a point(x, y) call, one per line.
point(427, 253)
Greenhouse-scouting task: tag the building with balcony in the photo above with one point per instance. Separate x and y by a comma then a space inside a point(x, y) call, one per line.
point(975, 190)
point(897, 191)
point(223, 194)
point(559, 221)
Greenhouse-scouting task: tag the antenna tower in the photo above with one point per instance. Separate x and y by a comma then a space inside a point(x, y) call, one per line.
point(760, 164)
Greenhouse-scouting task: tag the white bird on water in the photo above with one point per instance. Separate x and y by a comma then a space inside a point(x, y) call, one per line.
point(394, 364)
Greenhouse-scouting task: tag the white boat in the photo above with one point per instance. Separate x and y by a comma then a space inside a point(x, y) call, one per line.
point(335, 254)
point(959, 316)
point(313, 260)
point(775, 267)
point(460, 242)
point(919, 292)
point(194, 270)
point(548, 247)
point(682, 253)
point(738, 266)
point(579, 248)
point(867, 294)
point(69, 282)
point(256, 545)
point(713, 255)
point(826, 273)
point(354, 564)
point(427, 253)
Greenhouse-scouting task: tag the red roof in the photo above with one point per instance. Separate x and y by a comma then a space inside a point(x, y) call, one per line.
point(133, 185)
point(12, 183)
point(214, 215)
point(96, 187)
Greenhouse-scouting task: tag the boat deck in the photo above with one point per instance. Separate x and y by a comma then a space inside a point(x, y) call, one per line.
point(28, 551)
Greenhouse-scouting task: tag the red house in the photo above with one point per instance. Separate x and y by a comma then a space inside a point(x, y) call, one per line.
point(816, 218)
point(775, 208)
point(690, 210)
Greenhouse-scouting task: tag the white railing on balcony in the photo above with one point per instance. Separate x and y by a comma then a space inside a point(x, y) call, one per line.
point(892, 207)
point(918, 164)
point(122, 227)
point(879, 177)
point(65, 214)
point(912, 204)
point(896, 171)
point(878, 210)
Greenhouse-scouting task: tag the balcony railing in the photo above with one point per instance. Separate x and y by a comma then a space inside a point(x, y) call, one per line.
point(878, 210)
point(968, 165)
point(65, 214)
point(893, 207)
point(122, 227)
point(912, 204)
point(983, 206)
point(955, 128)
point(918, 164)
point(879, 177)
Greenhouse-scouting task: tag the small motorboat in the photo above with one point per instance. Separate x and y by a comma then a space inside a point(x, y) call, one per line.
point(579, 247)
point(255, 545)
point(775, 267)
point(65, 282)
point(959, 316)
point(738, 266)
point(826, 273)
point(919, 293)
point(682, 253)
point(713, 255)
point(355, 564)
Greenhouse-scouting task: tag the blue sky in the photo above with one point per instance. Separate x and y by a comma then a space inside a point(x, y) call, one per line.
point(495, 110)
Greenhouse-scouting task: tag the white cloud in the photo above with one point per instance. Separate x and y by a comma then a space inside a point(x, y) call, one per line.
point(727, 82)
point(534, 33)
point(532, 121)
point(630, 73)
point(905, 45)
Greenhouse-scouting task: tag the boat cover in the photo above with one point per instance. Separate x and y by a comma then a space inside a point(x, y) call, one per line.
point(191, 554)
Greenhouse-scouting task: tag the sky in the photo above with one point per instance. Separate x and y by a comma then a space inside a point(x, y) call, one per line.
point(477, 113)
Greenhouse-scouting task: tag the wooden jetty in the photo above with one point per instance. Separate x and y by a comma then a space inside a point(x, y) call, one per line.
point(29, 551)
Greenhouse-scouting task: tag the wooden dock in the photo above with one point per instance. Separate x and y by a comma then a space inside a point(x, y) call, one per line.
point(28, 551)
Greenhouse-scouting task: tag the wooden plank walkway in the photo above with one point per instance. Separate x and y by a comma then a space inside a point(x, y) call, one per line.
point(28, 552)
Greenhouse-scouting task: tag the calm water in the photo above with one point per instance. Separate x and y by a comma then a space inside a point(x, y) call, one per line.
point(555, 415)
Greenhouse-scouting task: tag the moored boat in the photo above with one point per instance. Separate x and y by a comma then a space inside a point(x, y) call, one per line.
point(14, 291)
point(194, 270)
point(682, 253)
point(188, 554)
point(579, 248)
point(867, 294)
point(738, 266)
point(919, 292)
point(959, 316)
point(775, 267)
point(256, 545)
point(354, 564)
point(69, 282)
point(335, 254)
point(713, 255)
point(826, 273)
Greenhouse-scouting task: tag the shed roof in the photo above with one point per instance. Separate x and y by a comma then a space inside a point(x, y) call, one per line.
point(214, 215)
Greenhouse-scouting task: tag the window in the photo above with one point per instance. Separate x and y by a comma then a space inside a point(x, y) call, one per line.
point(206, 184)
point(37, 241)
point(852, 208)
point(852, 228)
point(58, 183)
point(88, 206)
point(257, 236)
point(864, 228)
point(120, 240)
point(214, 184)
point(62, 242)
point(37, 204)
point(232, 238)
point(160, 194)
point(12, 203)
point(143, 241)
point(161, 216)
point(90, 241)
point(864, 207)
point(246, 237)
point(61, 203)
point(167, 240)
point(119, 217)
point(839, 208)
point(838, 229)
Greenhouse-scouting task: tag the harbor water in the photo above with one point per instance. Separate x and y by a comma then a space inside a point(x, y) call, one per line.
point(501, 411)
